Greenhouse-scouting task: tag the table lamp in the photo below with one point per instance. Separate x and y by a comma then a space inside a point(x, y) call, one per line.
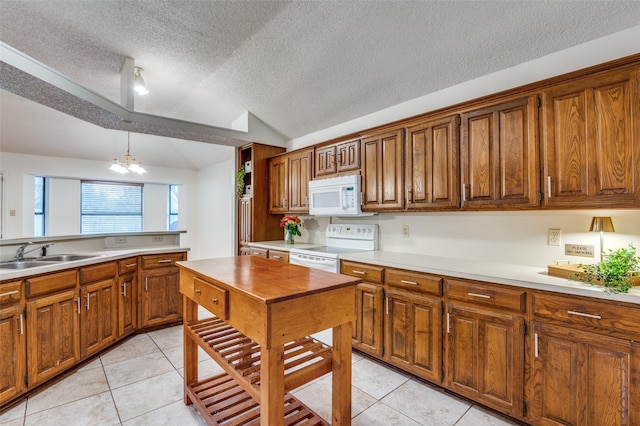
point(601, 224)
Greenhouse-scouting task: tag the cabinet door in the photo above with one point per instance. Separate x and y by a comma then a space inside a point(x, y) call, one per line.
point(12, 352)
point(98, 326)
point(582, 378)
point(432, 176)
point(382, 172)
point(160, 298)
point(245, 221)
point(499, 160)
point(127, 312)
point(348, 156)
point(300, 173)
point(590, 142)
point(484, 357)
point(325, 161)
point(278, 184)
point(413, 334)
point(52, 335)
point(369, 318)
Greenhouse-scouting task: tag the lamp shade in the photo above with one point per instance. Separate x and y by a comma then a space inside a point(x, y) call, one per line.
point(601, 224)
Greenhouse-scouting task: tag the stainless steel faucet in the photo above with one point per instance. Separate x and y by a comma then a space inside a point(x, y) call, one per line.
point(20, 252)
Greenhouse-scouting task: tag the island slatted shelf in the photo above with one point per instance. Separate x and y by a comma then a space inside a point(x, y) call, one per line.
point(264, 312)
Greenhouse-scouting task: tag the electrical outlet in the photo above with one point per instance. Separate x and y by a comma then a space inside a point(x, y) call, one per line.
point(553, 237)
point(157, 238)
point(120, 240)
point(405, 231)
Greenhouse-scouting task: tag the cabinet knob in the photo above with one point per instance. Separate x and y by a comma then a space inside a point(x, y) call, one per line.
point(198, 291)
point(214, 300)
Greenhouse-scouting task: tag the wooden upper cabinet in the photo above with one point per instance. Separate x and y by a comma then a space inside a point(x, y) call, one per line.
point(337, 158)
point(382, 173)
point(300, 173)
point(591, 151)
point(499, 161)
point(325, 161)
point(431, 157)
point(278, 184)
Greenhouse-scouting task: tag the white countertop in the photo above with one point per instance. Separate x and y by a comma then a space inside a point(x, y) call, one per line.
point(280, 245)
point(100, 256)
point(500, 273)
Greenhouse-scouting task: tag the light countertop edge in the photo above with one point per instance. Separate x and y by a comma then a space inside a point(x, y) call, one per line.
point(492, 272)
point(100, 256)
point(281, 245)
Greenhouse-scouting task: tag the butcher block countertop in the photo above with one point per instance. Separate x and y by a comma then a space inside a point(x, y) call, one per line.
point(265, 280)
point(532, 277)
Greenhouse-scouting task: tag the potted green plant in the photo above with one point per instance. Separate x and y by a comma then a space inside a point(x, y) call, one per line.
point(240, 181)
point(617, 272)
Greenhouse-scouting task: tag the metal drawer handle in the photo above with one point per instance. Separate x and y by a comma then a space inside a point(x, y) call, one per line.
point(88, 298)
point(79, 305)
point(549, 186)
point(214, 300)
point(409, 282)
point(9, 293)
point(582, 314)
point(164, 261)
point(484, 296)
point(535, 344)
point(130, 265)
point(124, 289)
point(198, 291)
point(277, 257)
point(359, 272)
point(21, 329)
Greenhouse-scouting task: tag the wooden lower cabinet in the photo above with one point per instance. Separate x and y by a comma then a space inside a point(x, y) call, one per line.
point(98, 308)
point(413, 333)
point(484, 357)
point(12, 342)
point(160, 298)
point(127, 296)
point(582, 378)
point(53, 334)
point(369, 322)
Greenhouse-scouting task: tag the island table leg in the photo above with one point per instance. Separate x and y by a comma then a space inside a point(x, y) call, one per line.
point(341, 386)
point(190, 348)
point(272, 386)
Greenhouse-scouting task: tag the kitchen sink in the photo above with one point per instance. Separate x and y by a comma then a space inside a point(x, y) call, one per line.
point(64, 257)
point(24, 264)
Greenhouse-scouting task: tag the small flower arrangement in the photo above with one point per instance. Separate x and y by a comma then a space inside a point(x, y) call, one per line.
point(290, 225)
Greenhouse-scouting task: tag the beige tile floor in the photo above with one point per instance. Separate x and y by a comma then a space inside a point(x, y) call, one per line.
point(140, 383)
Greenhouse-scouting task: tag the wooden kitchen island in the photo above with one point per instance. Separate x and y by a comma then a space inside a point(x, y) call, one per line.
point(264, 312)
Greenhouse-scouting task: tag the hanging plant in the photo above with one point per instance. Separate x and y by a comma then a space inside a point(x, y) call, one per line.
point(240, 181)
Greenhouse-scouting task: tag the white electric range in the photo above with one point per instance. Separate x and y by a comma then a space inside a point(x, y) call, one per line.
point(340, 239)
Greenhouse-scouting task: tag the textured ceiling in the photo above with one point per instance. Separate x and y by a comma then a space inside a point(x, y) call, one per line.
point(298, 66)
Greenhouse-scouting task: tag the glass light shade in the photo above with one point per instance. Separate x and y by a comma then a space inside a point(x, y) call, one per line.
point(601, 224)
point(138, 82)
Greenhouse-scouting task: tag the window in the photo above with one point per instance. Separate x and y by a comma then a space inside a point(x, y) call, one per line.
point(110, 207)
point(173, 208)
point(39, 204)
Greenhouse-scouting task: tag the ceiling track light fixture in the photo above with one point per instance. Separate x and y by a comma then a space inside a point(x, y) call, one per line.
point(129, 164)
point(138, 82)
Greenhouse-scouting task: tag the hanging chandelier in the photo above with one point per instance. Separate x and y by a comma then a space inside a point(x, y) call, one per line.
point(128, 164)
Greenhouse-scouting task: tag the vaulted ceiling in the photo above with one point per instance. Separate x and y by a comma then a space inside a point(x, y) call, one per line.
point(298, 66)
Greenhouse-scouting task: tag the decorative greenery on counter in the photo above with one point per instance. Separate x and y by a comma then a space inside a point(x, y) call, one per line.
point(615, 272)
point(240, 181)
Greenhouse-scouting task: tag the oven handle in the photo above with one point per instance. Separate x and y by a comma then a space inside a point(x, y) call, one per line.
point(308, 260)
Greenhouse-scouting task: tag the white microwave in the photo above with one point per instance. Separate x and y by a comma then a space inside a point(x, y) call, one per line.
point(339, 196)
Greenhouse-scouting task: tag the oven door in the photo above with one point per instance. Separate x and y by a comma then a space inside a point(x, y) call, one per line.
point(314, 262)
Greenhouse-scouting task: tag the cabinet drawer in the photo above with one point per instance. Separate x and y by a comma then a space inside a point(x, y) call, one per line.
point(260, 252)
point(93, 273)
point(586, 313)
point(414, 281)
point(10, 292)
point(161, 260)
point(127, 265)
point(499, 297)
point(50, 283)
point(370, 273)
point(282, 256)
point(212, 298)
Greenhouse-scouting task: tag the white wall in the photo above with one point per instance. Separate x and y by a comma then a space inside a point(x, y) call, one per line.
point(518, 237)
point(216, 223)
point(64, 194)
